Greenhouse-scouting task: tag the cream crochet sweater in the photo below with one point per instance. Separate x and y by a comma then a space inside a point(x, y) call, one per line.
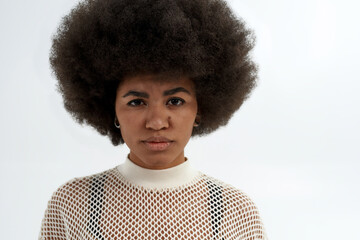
point(131, 202)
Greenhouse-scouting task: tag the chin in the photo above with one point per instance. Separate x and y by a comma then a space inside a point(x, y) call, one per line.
point(159, 160)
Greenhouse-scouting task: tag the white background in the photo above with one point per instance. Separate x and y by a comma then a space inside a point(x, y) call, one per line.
point(293, 146)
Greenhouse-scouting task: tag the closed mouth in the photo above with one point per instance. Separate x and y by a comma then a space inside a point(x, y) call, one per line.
point(157, 143)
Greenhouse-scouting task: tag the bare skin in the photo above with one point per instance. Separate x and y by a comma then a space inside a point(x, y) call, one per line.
point(156, 119)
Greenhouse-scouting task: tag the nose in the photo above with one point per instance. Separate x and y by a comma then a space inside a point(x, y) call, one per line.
point(157, 118)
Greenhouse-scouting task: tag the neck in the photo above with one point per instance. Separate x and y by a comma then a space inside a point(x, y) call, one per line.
point(177, 176)
point(156, 162)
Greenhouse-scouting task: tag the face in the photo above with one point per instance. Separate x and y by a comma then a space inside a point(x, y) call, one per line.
point(156, 118)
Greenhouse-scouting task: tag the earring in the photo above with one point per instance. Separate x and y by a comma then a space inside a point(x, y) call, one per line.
point(197, 121)
point(116, 123)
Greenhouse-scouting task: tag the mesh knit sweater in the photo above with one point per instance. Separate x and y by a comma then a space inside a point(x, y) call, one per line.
point(131, 202)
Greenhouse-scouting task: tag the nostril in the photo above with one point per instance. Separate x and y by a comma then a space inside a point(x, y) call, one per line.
point(157, 124)
point(157, 118)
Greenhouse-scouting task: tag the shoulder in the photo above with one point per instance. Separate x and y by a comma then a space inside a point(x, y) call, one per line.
point(69, 205)
point(231, 194)
point(237, 209)
point(76, 191)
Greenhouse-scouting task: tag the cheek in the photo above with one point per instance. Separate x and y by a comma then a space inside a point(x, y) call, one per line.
point(186, 121)
point(129, 125)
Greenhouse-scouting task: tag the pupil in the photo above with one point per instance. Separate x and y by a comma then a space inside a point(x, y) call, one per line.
point(136, 102)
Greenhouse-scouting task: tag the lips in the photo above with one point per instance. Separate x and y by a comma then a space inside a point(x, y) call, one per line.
point(157, 143)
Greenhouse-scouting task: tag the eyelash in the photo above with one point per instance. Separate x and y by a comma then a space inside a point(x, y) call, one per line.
point(139, 102)
point(182, 101)
point(132, 103)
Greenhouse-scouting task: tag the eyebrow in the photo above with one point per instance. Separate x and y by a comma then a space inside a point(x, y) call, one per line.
point(175, 90)
point(166, 93)
point(136, 94)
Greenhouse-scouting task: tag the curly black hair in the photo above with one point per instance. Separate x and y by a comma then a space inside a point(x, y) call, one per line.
point(102, 41)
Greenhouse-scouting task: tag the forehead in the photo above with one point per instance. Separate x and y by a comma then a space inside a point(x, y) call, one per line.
point(149, 82)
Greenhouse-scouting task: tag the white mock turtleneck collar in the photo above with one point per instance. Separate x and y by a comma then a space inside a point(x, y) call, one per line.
point(177, 176)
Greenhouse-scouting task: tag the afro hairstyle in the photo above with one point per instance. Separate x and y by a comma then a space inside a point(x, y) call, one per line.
point(100, 42)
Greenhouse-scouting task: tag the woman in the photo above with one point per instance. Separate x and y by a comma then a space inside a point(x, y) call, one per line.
point(151, 74)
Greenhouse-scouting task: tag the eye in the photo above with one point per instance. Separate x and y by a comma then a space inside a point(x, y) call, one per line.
point(175, 102)
point(136, 102)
